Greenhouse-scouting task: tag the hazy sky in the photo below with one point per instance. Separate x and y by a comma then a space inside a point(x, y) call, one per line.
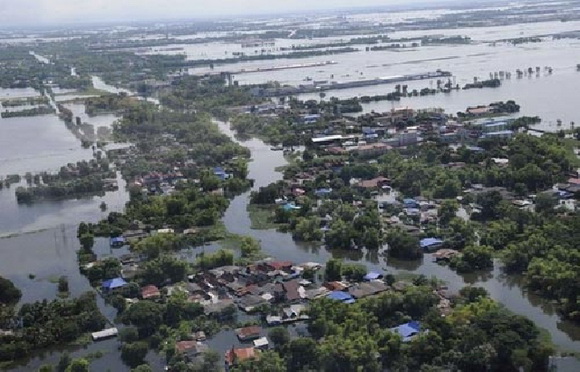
point(15, 12)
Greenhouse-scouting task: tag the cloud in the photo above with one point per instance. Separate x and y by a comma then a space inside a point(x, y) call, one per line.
point(14, 12)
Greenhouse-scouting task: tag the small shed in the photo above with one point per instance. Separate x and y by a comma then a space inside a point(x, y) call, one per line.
point(104, 334)
point(373, 275)
point(430, 244)
point(261, 343)
point(113, 284)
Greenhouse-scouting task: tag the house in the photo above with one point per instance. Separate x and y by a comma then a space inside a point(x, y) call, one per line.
point(444, 254)
point(234, 356)
point(375, 183)
point(430, 244)
point(117, 242)
point(190, 349)
point(134, 235)
point(341, 296)
point(322, 192)
point(113, 284)
point(410, 203)
point(335, 286)
point(250, 302)
point(150, 292)
point(504, 134)
point(372, 150)
point(279, 265)
point(261, 343)
point(408, 330)
point(367, 289)
point(293, 291)
point(248, 333)
point(218, 307)
point(220, 173)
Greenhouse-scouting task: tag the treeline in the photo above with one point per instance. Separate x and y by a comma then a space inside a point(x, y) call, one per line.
point(46, 324)
point(71, 181)
point(183, 63)
point(490, 83)
point(41, 100)
point(70, 189)
point(28, 112)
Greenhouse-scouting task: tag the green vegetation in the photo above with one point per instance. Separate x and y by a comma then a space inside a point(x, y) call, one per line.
point(45, 324)
point(9, 294)
point(478, 335)
point(73, 180)
point(45, 110)
point(262, 217)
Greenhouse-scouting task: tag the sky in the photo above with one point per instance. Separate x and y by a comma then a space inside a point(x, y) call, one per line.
point(44, 12)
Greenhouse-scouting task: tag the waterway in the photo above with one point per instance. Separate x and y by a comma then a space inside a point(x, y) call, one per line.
point(508, 290)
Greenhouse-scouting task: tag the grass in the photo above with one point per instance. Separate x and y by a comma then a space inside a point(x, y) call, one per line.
point(232, 241)
point(262, 217)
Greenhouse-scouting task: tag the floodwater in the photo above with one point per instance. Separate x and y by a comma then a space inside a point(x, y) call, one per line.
point(551, 97)
point(508, 290)
point(37, 143)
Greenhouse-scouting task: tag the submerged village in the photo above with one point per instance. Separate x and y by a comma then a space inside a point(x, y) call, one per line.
point(358, 201)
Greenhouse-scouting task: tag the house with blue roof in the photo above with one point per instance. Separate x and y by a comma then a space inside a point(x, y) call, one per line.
point(290, 207)
point(410, 203)
point(220, 173)
point(113, 284)
point(431, 244)
point(341, 297)
point(408, 330)
point(322, 192)
point(117, 242)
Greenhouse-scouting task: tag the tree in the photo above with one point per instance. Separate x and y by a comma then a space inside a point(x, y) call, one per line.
point(333, 270)
point(307, 229)
point(473, 294)
point(545, 203)
point(301, 354)
point(134, 353)
point(447, 211)
point(87, 241)
point(279, 336)
point(129, 334)
point(9, 294)
point(46, 368)
point(249, 247)
point(145, 315)
point(340, 235)
point(354, 272)
point(63, 362)
point(63, 284)
point(403, 246)
point(473, 258)
point(78, 365)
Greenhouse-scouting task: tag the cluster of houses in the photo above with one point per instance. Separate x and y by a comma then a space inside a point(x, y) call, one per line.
point(250, 288)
